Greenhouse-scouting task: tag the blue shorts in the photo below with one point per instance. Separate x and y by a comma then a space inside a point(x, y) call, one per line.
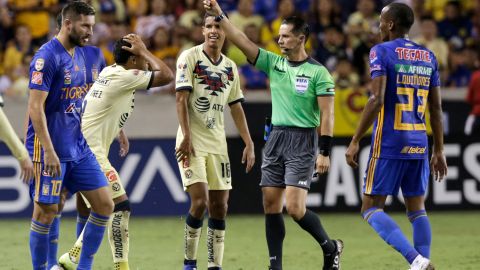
point(79, 175)
point(387, 176)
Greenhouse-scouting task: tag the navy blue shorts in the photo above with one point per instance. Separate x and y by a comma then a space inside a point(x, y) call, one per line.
point(387, 176)
point(80, 175)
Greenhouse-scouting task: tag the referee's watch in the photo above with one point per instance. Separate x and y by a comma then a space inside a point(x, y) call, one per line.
point(220, 17)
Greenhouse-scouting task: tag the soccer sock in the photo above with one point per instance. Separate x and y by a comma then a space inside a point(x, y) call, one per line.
point(193, 230)
point(311, 223)
point(81, 220)
point(118, 239)
point(215, 242)
point(39, 245)
point(275, 232)
point(422, 234)
point(92, 238)
point(386, 227)
point(53, 241)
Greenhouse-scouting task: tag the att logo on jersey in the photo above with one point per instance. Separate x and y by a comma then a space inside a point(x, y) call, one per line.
point(413, 150)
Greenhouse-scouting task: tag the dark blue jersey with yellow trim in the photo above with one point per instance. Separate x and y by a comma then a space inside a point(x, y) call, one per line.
point(411, 70)
point(67, 79)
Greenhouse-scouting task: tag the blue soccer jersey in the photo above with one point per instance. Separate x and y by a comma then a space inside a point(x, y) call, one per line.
point(67, 79)
point(411, 70)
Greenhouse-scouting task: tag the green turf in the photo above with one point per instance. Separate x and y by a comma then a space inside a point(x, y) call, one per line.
point(156, 243)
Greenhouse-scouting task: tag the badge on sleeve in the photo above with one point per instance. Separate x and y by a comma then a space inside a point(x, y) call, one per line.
point(37, 78)
point(39, 64)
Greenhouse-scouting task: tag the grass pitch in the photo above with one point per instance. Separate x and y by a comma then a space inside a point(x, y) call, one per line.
point(157, 243)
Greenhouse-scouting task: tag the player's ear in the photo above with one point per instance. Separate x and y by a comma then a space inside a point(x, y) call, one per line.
point(390, 25)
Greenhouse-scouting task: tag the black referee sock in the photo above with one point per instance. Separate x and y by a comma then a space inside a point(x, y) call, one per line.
point(275, 231)
point(311, 223)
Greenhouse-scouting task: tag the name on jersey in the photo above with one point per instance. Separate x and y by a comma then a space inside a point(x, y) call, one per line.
point(410, 69)
point(96, 93)
point(102, 81)
point(413, 80)
point(413, 150)
point(413, 54)
point(75, 92)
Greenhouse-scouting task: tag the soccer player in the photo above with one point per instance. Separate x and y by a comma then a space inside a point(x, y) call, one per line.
point(7, 134)
point(95, 62)
point(301, 88)
point(106, 109)
point(206, 82)
point(405, 79)
point(59, 151)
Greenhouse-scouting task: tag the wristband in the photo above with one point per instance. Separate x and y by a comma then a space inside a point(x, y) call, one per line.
point(325, 145)
point(220, 17)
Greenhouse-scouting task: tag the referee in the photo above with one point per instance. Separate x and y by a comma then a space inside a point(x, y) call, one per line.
point(301, 88)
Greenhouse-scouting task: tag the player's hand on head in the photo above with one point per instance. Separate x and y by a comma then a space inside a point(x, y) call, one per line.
point(137, 44)
point(51, 164)
point(26, 166)
point(249, 157)
point(322, 164)
point(438, 166)
point(352, 154)
point(212, 7)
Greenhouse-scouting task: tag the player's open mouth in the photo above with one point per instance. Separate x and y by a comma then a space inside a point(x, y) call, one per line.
point(213, 37)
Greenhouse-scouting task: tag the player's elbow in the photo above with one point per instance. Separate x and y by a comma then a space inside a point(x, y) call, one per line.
point(163, 77)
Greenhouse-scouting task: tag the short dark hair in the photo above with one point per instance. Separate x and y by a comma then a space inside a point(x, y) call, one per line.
point(402, 15)
point(58, 20)
point(120, 55)
point(76, 8)
point(300, 27)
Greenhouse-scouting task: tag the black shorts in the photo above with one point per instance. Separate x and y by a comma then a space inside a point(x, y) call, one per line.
point(289, 157)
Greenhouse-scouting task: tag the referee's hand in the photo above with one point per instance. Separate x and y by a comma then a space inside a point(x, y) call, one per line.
point(322, 164)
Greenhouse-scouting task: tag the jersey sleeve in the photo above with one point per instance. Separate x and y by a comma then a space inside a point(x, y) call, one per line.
point(435, 80)
point(42, 71)
point(324, 86)
point(378, 65)
point(137, 79)
point(265, 60)
point(236, 94)
point(184, 72)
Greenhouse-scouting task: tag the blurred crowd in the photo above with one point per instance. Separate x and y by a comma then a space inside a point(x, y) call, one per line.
point(342, 33)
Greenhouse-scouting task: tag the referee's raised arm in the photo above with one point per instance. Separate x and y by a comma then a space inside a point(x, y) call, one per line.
point(232, 33)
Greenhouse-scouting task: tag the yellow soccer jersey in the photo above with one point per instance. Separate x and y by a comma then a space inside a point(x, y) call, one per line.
point(108, 105)
point(212, 87)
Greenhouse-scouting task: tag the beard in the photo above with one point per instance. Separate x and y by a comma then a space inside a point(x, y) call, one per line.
point(75, 38)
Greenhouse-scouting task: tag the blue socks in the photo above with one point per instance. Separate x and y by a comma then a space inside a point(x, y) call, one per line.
point(422, 234)
point(39, 244)
point(386, 227)
point(81, 221)
point(53, 241)
point(92, 238)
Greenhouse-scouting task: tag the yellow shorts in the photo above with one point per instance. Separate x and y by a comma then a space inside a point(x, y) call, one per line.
point(212, 169)
point(114, 183)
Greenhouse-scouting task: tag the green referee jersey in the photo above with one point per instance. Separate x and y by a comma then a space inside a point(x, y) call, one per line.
point(295, 87)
